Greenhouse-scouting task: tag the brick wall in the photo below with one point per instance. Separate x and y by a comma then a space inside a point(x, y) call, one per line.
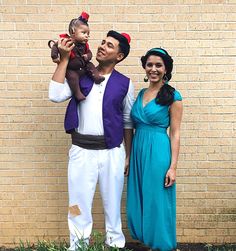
point(199, 34)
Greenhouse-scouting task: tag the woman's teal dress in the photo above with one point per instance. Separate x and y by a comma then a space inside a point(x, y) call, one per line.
point(151, 208)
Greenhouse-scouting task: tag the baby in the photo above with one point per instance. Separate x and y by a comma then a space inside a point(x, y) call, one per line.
point(80, 56)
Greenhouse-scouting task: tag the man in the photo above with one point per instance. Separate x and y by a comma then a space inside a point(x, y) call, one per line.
point(97, 125)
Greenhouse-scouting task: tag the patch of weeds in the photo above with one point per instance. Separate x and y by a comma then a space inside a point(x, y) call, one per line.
point(43, 246)
point(97, 243)
point(225, 247)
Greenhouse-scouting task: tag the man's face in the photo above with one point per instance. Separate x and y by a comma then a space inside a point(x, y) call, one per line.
point(108, 51)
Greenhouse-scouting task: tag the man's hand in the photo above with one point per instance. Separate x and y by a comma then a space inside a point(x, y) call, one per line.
point(65, 46)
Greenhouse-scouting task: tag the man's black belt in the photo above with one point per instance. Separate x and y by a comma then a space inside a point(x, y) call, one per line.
point(91, 142)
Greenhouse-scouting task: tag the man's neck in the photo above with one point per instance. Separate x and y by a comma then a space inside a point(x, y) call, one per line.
point(105, 69)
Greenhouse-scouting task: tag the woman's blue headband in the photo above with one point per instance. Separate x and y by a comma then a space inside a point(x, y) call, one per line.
point(157, 50)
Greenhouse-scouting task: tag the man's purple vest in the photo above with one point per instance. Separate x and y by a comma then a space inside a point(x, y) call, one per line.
point(115, 92)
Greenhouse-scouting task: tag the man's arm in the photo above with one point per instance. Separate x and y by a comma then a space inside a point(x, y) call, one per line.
point(59, 92)
point(128, 125)
point(128, 137)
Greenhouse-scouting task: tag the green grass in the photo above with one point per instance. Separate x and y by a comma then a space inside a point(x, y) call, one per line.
point(96, 244)
point(43, 246)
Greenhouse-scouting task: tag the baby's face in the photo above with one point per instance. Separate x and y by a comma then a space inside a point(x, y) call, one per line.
point(81, 34)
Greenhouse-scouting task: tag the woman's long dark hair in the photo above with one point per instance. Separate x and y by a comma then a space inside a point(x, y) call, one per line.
point(165, 96)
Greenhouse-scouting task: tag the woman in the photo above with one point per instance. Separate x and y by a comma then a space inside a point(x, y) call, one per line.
point(151, 198)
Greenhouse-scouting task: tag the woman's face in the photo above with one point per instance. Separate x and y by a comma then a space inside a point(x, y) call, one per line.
point(155, 69)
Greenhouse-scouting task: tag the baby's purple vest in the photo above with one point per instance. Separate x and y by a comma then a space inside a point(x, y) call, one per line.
point(115, 92)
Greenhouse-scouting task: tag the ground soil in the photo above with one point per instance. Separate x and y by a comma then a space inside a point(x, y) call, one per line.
point(188, 247)
point(181, 247)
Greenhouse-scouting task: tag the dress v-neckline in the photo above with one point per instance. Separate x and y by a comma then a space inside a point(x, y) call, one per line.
point(150, 101)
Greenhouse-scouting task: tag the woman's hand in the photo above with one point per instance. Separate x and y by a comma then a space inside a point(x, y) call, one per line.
point(170, 177)
point(126, 172)
point(65, 46)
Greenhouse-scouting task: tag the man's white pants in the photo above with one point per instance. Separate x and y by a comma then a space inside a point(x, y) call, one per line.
point(85, 169)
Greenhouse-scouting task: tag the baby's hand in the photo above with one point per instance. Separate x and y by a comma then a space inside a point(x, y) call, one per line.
point(56, 60)
point(85, 57)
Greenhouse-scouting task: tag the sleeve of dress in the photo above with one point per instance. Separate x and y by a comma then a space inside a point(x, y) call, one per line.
point(177, 96)
point(59, 92)
point(127, 106)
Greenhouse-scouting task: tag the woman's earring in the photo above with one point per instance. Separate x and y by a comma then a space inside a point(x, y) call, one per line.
point(165, 79)
point(145, 78)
